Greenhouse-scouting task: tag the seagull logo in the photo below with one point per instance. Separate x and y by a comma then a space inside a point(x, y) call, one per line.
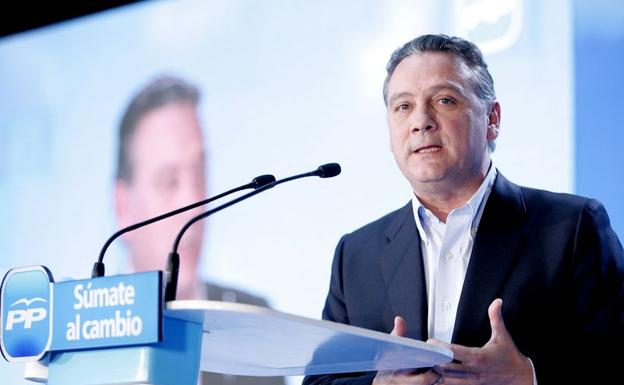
point(27, 301)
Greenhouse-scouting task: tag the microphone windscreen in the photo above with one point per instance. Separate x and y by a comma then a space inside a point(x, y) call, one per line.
point(328, 170)
point(262, 180)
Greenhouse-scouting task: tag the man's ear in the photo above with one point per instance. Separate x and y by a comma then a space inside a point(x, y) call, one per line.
point(494, 117)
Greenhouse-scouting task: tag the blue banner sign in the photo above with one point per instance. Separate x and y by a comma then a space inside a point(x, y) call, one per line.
point(37, 315)
point(26, 313)
point(111, 311)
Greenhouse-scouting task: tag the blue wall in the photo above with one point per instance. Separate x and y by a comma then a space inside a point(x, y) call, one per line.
point(599, 104)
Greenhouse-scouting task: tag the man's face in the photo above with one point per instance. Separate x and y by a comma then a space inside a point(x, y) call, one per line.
point(438, 127)
point(167, 163)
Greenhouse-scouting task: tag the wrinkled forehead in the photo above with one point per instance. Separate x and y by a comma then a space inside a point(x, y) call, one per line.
point(431, 70)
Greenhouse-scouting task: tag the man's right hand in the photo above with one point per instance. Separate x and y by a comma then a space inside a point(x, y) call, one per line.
point(405, 376)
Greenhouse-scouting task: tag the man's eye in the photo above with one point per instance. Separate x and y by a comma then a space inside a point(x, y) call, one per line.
point(446, 101)
point(402, 107)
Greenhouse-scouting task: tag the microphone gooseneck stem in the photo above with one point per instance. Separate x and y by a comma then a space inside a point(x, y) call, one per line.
point(173, 263)
point(203, 215)
point(98, 267)
point(328, 170)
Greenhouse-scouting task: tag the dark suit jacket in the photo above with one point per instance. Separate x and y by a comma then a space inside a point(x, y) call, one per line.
point(552, 258)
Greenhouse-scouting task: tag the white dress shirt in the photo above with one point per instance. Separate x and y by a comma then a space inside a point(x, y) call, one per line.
point(446, 249)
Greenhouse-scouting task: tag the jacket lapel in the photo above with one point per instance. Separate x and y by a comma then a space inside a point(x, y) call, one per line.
point(491, 262)
point(402, 269)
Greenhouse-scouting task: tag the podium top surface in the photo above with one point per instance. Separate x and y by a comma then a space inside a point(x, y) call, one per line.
point(256, 341)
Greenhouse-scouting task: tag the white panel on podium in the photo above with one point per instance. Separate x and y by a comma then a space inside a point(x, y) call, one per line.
point(251, 340)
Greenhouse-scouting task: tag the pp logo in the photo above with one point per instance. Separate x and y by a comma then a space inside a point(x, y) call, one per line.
point(26, 308)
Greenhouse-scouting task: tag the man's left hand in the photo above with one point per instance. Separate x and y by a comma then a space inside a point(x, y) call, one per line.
point(498, 362)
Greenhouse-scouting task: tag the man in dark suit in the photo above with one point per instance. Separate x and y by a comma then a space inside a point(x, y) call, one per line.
point(441, 268)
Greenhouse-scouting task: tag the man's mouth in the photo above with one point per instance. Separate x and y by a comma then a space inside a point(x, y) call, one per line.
point(428, 149)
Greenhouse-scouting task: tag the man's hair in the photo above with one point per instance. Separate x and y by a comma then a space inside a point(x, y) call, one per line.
point(462, 49)
point(466, 51)
point(160, 91)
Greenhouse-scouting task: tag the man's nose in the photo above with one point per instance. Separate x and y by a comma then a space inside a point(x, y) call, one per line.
point(422, 121)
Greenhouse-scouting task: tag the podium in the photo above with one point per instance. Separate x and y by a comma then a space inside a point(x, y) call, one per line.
point(239, 339)
point(194, 335)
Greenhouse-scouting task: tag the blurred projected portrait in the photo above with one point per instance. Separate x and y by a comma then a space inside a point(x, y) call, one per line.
point(161, 167)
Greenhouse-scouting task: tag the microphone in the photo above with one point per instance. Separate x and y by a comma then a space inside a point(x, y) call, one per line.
point(257, 183)
point(328, 170)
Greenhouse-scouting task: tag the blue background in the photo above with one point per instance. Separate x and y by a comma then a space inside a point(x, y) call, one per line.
point(599, 104)
point(287, 86)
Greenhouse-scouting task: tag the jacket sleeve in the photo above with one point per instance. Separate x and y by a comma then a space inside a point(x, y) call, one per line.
point(598, 287)
point(594, 300)
point(598, 275)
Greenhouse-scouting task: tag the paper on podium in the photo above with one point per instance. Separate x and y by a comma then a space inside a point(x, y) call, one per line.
point(256, 341)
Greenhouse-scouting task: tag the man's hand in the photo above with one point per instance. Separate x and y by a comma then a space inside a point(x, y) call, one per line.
point(498, 362)
point(405, 376)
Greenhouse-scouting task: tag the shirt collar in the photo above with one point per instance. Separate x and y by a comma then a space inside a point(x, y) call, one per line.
point(476, 203)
